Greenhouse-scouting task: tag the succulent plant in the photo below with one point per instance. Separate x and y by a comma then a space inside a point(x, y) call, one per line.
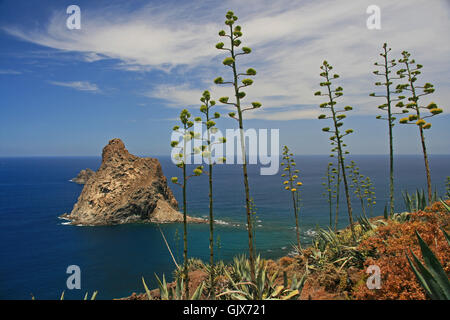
point(167, 292)
point(293, 185)
point(411, 71)
point(363, 189)
point(181, 159)
point(336, 115)
point(430, 274)
point(387, 67)
point(234, 36)
point(209, 123)
point(264, 288)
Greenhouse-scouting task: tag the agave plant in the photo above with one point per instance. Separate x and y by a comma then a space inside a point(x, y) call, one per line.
point(293, 186)
point(411, 71)
point(387, 66)
point(430, 274)
point(417, 201)
point(336, 192)
point(173, 293)
point(328, 193)
point(401, 217)
point(447, 188)
point(336, 116)
point(207, 148)
point(363, 188)
point(86, 296)
point(334, 249)
point(238, 81)
point(181, 159)
point(366, 224)
point(264, 288)
point(446, 206)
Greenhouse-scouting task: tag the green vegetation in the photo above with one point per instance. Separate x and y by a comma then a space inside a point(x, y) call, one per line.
point(363, 189)
point(265, 288)
point(337, 116)
point(234, 36)
point(181, 158)
point(417, 201)
point(411, 71)
point(337, 261)
point(86, 296)
point(387, 67)
point(292, 185)
point(207, 149)
point(328, 184)
point(447, 188)
point(431, 274)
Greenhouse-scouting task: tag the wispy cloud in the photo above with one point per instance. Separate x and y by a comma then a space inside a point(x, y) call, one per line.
point(290, 39)
point(78, 85)
point(10, 72)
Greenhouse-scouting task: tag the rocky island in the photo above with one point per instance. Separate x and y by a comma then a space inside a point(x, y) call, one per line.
point(125, 189)
point(83, 176)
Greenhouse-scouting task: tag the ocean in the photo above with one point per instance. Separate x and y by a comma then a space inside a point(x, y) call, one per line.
point(36, 247)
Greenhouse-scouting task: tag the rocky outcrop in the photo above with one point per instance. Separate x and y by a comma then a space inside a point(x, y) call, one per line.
point(126, 189)
point(83, 176)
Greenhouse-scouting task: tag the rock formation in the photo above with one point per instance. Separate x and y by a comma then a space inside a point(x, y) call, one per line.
point(126, 189)
point(83, 176)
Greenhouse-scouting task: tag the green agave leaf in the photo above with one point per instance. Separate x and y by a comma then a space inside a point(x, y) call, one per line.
point(291, 295)
point(446, 206)
point(419, 275)
point(163, 288)
point(147, 291)
point(435, 267)
point(198, 292)
point(425, 278)
point(446, 236)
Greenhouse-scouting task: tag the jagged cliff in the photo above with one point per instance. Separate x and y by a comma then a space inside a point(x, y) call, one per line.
point(126, 189)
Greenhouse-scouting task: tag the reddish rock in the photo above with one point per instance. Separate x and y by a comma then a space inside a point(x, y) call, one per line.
point(126, 189)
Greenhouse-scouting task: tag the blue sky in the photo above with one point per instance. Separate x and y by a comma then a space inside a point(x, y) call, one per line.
point(135, 64)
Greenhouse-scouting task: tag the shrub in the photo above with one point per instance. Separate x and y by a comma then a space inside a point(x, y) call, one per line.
point(387, 249)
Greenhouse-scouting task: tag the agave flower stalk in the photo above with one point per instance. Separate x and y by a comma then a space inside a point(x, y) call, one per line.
point(363, 188)
point(447, 188)
point(328, 184)
point(337, 116)
point(207, 150)
point(292, 184)
point(387, 67)
point(181, 159)
point(337, 186)
point(234, 36)
point(411, 70)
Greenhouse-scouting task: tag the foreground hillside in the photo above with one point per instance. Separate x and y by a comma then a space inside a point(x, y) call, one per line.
point(334, 267)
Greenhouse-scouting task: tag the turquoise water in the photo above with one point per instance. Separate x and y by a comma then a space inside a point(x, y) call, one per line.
point(36, 248)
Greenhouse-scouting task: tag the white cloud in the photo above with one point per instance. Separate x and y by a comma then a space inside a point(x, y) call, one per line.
point(78, 85)
point(290, 39)
point(10, 72)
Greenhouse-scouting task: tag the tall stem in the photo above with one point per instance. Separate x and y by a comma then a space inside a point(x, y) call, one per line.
point(341, 159)
point(185, 251)
point(338, 195)
point(427, 167)
point(211, 214)
point(244, 161)
point(294, 201)
point(422, 137)
point(391, 143)
point(330, 196)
